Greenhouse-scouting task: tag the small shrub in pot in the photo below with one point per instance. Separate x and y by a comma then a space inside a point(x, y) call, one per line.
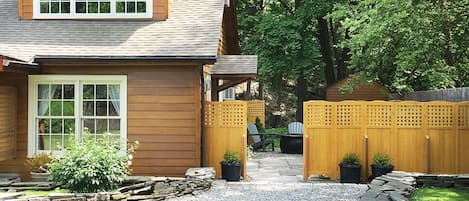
point(38, 165)
point(350, 168)
point(231, 166)
point(381, 165)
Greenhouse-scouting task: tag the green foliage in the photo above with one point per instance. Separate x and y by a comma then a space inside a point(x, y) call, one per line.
point(231, 157)
point(351, 158)
point(407, 45)
point(381, 159)
point(91, 167)
point(39, 163)
point(440, 194)
point(282, 130)
point(259, 125)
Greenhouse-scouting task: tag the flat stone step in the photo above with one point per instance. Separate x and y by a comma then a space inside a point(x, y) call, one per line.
point(32, 184)
point(9, 196)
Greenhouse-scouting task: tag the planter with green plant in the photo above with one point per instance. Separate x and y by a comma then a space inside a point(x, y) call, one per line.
point(381, 165)
point(38, 165)
point(231, 166)
point(350, 168)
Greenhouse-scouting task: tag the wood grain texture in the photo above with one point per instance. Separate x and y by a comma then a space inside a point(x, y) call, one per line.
point(163, 114)
point(367, 91)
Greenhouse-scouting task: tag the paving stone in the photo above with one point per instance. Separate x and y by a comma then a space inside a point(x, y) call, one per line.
point(201, 173)
point(397, 197)
point(8, 196)
point(378, 182)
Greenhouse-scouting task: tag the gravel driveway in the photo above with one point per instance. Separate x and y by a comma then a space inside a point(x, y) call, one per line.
point(245, 191)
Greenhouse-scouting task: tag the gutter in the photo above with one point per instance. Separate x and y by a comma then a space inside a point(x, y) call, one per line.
point(18, 66)
point(71, 58)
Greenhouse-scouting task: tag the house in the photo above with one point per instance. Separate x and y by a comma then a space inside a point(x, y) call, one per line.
point(116, 69)
point(364, 91)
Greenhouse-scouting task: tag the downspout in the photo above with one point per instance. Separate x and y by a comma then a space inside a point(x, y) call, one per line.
point(202, 116)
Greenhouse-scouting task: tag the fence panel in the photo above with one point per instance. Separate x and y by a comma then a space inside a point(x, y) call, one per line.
point(225, 129)
point(8, 124)
point(256, 108)
point(399, 129)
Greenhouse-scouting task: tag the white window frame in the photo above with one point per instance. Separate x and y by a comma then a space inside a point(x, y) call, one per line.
point(73, 15)
point(229, 94)
point(78, 81)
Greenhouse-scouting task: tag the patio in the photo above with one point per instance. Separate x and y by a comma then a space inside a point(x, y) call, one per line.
point(274, 167)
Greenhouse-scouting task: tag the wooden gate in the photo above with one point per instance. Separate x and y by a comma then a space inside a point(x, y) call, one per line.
point(7, 122)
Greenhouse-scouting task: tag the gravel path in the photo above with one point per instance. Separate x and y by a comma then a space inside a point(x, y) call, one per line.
point(245, 191)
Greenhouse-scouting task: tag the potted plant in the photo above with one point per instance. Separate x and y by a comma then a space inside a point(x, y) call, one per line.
point(38, 166)
point(350, 168)
point(381, 165)
point(231, 166)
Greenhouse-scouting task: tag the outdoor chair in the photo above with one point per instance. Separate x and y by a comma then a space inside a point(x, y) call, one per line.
point(295, 128)
point(260, 140)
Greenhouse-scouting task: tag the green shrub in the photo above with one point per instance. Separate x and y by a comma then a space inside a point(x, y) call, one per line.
point(39, 163)
point(351, 158)
point(381, 159)
point(259, 125)
point(91, 167)
point(231, 157)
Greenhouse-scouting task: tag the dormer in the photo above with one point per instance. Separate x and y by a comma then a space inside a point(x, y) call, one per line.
point(94, 9)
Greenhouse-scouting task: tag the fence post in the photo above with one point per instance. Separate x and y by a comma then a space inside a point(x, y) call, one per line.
point(366, 156)
point(427, 146)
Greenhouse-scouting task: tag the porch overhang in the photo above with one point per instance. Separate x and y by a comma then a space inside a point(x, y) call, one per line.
point(18, 66)
point(233, 70)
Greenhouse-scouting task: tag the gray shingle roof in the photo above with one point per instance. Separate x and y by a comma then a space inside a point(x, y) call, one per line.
point(192, 29)
point(235, 64)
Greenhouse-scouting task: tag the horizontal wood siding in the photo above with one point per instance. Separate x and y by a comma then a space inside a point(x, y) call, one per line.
point(372, 91)
point(19, 81)
point(163, 114)
point(160, 9)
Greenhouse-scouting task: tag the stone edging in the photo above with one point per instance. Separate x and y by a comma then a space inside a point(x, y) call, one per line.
point(399, 186)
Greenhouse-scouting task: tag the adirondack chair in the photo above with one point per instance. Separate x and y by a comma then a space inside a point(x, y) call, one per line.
point(295, 128)
point(260, 140)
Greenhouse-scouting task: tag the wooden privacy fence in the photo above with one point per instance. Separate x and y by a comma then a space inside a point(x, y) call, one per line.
point(7, 122)
point(225, 129)
point(256, 108)
point(421, 137)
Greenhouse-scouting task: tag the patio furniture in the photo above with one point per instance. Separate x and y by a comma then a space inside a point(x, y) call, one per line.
point(260, 140)
point(295, 128)
point(291, 144)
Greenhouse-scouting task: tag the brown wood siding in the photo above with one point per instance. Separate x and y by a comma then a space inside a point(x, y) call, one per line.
point(372, 91)
point(163, 114)
point(8, 106)
point(160, 9)
point(17, 163)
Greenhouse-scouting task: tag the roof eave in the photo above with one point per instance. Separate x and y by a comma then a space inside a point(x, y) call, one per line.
point(71, 58)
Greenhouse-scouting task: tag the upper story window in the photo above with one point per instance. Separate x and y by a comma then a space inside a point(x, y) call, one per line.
point(92, 9)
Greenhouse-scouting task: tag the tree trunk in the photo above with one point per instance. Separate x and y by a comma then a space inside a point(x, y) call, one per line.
point(261, 90)
point(448, 35)
point(248, 90)
point(325, 48)
point(300, 95)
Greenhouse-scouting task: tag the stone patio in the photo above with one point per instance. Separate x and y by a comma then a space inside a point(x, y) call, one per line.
point(274, 167)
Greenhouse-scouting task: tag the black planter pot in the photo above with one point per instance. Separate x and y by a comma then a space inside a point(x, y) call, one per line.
point(350, 173)
point(377, 170)
point(231, 171)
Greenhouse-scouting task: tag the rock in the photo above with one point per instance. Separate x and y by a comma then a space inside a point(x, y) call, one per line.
point(26, 184)
point(136, 186)
point(5, 183)
point(201, 173)
point(140, 197)
point(144, 190)
point(378, 182)
point(397, 197)
point(120, 196)
point(9, 196)
point(103, 196)
point(55, 196)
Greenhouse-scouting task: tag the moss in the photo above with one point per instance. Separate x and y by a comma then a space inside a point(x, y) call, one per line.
point(440, 194)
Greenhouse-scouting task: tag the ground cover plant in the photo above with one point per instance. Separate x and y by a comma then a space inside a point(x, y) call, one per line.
point(440, 194)
point(281, 130)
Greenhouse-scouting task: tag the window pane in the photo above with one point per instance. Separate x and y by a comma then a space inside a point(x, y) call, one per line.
point(114, 108)
point(43, 126)
point(130, 7)
point(88, 108)
point(44, 7)
point(56, 126)
point(101, 126)
point(69, 126)
point(56, 90)
point(54, 7)
point(56, 108)
point(92, 7)
point(101, 91)
point(69, 108)
point(120, 7)
point(43, 108)
point(69, 90)
point(68, 140)
point(88, 91)
point(65, 8)
point(43, 89)
point(53, 142)
point(88, 126)
point(80, 7)
point(114, 92)
point(141, 7)
point(105, 7)
point(101, 108)
point(114, 126)
point(44, 142)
